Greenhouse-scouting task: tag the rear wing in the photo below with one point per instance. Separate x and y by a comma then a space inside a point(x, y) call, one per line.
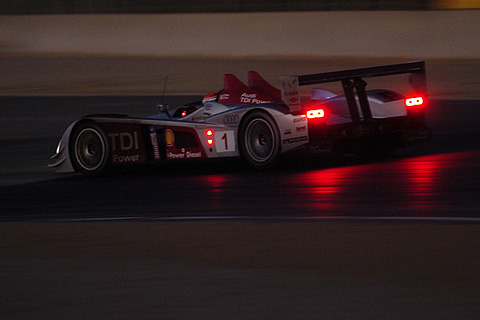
point(352, 80)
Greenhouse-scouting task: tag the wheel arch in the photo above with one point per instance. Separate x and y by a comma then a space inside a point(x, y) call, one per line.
point(262, 110)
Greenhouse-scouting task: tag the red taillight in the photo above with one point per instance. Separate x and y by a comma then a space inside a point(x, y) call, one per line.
point(314, 114)
point(209, 134)
point(184, 113)
point(412, 102)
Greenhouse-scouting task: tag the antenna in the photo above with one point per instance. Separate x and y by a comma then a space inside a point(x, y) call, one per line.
point(163, 107)
point(165, 85)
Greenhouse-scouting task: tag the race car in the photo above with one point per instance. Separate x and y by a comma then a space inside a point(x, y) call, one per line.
point(257, 122)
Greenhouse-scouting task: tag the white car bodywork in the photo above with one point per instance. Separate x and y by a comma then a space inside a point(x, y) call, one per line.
point(257, 122)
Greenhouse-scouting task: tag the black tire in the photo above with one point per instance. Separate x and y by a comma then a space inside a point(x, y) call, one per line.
point(89, 148)
point(259, 139)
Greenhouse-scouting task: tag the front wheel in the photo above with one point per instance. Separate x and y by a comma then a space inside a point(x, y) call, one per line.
point(89, 150)
point(259, 139)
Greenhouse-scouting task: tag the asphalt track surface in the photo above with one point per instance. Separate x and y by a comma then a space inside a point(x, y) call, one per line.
point(339, 238)
point(437, 180)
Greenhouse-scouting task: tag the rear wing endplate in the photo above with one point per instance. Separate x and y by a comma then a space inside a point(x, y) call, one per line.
point(353, 80)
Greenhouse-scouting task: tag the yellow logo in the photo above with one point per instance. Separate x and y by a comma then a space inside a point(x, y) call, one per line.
point(169, 138)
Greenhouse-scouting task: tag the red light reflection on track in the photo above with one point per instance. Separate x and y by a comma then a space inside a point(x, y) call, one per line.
point(409, 187)
point(321, 188)
point(386, 188)
point(212, 190)
point(215, 184)
point(421, 176)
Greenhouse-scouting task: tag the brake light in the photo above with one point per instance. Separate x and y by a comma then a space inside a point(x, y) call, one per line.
point(184, 113)
point(314, 114)
point(412, 102)
point(209, 134)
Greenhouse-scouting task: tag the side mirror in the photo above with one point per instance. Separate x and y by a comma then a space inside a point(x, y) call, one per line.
point(163, 108)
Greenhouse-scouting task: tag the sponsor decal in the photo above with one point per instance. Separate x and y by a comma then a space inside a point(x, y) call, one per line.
point(171, 155)
point(224, 96)
point(302, 129)
point(295, 140)
point(153, 138)
point(231, 119)
point(251, 98)
point(169, 138)
point(291, 92)
point(184, 145)
point(124, 141)
point(193, 154)
point(300, 119)
point(248, 95)
point(126, 158)
point(184, 155)
point(288, 131)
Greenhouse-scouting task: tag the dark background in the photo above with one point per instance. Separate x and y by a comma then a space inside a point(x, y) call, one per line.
point(189, 6)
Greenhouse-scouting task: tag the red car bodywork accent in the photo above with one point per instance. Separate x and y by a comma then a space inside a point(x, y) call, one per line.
point(257, 83)
point(186, 144)
point(236, 92)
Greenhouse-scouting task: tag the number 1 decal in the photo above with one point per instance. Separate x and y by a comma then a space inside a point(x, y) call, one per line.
point(225, 141)
point(224, 137)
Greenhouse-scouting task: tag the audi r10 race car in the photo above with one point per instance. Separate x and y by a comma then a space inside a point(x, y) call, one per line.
point(257, 122)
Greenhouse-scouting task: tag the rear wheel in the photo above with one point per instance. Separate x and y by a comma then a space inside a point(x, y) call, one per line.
point(89, 148)
point(259, 139)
